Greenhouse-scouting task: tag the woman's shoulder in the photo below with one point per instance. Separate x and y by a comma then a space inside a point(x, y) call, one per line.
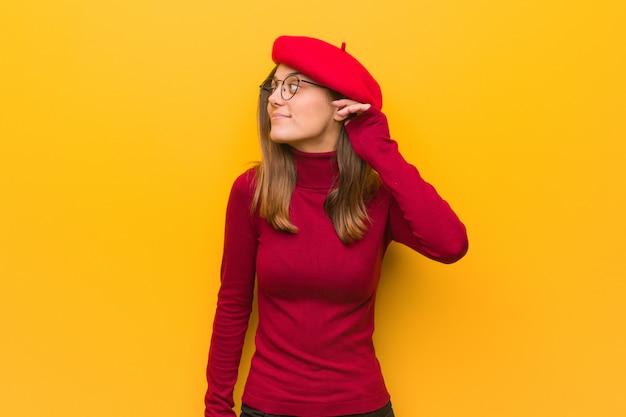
point(245, 183)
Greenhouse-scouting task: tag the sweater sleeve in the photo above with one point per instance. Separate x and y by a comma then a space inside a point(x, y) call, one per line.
point(419, 217)
point(234, 303)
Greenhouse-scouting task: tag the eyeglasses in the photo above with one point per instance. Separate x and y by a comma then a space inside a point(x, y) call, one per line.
point(288, 87)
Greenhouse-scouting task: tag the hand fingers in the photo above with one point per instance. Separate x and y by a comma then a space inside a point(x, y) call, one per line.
point(348, 107)
point(342, 102)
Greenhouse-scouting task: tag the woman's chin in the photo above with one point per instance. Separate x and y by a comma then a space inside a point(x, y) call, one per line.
point(278, 138)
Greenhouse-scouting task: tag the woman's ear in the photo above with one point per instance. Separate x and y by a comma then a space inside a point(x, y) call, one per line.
point(347, 109)
point(340, 118)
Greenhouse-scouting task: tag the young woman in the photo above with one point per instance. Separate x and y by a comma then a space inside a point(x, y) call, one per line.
point(311, 223)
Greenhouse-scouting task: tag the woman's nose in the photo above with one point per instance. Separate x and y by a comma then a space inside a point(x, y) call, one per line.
point(276, 97)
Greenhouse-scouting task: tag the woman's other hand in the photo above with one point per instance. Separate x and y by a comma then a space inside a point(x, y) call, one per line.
point(348, 109)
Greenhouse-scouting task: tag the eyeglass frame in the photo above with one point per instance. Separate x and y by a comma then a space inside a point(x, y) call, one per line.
point(282, 85)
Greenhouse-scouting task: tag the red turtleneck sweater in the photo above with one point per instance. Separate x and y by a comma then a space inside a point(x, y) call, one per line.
point(314, 353)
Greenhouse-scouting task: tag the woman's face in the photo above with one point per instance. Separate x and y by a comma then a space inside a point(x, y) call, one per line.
point(308, 120)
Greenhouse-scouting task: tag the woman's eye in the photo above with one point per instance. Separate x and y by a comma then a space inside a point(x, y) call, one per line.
point(292, 87)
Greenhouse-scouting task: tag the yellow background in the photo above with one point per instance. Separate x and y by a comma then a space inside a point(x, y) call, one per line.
point(124, 122)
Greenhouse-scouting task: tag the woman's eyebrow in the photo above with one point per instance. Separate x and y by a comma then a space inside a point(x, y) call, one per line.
point(288, 75)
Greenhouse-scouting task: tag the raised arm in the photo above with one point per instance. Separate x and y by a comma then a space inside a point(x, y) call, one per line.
point(420, 218)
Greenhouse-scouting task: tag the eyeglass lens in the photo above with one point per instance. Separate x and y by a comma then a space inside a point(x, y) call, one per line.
point(288, 87)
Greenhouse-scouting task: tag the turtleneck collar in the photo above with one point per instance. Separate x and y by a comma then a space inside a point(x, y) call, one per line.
point(315, 170)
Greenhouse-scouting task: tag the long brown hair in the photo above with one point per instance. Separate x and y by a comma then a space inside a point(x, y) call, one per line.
point(346, 203)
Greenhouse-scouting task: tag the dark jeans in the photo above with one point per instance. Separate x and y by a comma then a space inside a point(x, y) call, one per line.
point(386, 411)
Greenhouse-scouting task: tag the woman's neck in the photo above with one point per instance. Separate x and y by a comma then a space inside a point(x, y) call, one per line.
point(316, 170)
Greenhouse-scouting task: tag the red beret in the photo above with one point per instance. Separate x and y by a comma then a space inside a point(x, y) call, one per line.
point(329, 66)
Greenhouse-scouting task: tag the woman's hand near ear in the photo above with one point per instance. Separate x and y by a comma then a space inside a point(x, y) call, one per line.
point(347, 109)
